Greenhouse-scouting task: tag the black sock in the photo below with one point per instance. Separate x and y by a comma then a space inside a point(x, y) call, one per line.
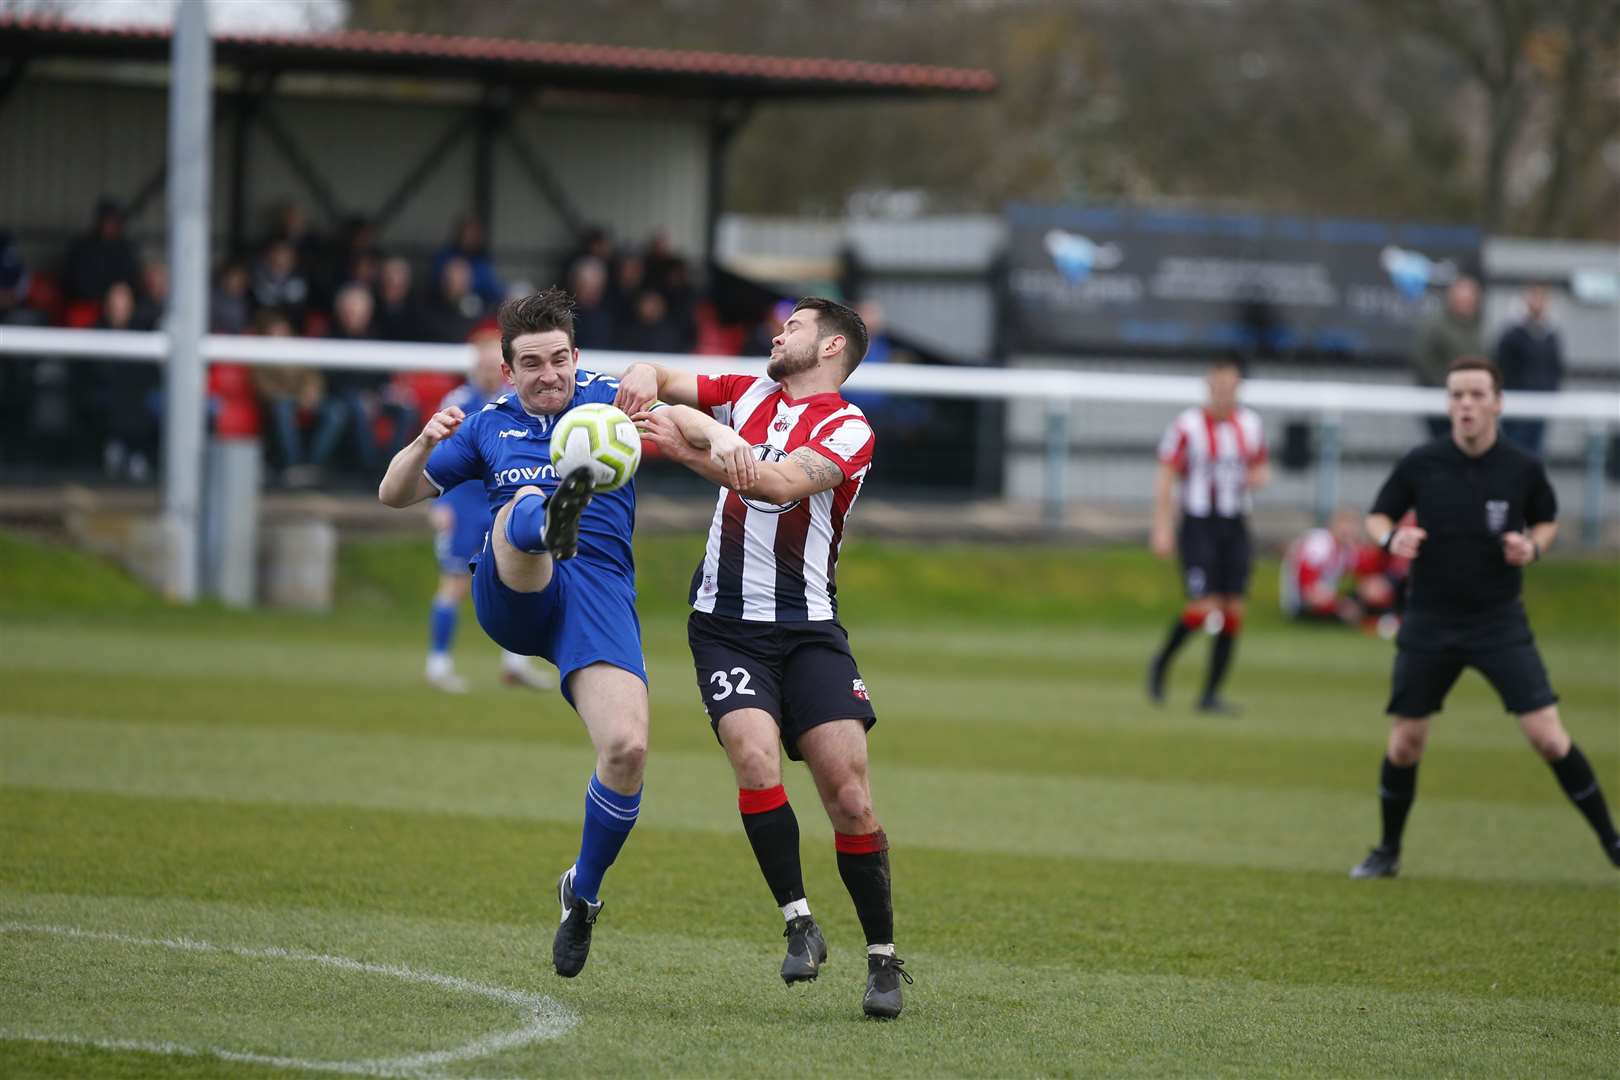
point(1178, 637)
point(863, 863)
point(774, 836)
point(1220, 657)
point(1580, 783)
point(1397, 787)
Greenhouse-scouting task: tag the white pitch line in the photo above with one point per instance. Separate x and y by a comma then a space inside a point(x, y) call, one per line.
point(547, 1019)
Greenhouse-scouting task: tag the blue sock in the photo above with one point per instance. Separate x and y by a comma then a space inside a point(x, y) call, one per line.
point(441, 627)
point(526, 524)
point(609, 817)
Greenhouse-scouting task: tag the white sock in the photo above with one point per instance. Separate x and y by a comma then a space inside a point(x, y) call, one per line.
point(795, 909)
point(438, 664)
point(880, 950)
point(512, 661)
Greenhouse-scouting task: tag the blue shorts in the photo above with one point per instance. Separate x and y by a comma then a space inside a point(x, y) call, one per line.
point(587, 615)
point(457, 546)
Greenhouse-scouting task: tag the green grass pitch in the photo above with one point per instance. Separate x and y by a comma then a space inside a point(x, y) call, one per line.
point(257, 845)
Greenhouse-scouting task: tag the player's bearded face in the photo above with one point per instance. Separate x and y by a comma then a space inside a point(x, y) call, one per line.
point(793, 351)
point(542, 370)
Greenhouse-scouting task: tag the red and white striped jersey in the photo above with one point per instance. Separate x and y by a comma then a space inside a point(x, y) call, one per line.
point(768, 563)
point(1213, 457)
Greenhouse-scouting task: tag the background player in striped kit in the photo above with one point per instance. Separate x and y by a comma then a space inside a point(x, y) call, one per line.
point(773, 664)
point(461, 517)
point(1219, 453)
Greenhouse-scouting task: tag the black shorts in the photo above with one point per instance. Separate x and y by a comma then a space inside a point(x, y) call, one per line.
point(1431, 653)
point(802, 674)
point(1215, 556)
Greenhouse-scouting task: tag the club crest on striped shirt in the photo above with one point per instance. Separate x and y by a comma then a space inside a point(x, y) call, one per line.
point(767, 452)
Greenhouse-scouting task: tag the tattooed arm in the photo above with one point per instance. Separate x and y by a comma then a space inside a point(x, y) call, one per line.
point(804, 473)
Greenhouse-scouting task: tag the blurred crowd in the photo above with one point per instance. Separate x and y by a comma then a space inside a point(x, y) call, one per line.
point(298, 282)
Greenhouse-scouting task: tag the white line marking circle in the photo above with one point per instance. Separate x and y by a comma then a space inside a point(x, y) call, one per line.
point(545, 1018)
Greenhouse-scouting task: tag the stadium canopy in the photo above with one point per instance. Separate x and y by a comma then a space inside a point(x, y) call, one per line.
point(505, 74)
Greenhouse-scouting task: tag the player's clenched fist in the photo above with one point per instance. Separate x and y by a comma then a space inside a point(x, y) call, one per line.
point(442, 425)
point(1407, 540)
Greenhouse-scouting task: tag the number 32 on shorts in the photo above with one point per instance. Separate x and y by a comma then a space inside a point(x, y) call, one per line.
point(722, 679)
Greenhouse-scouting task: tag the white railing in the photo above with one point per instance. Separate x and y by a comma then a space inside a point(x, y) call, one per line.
point(1329, 402)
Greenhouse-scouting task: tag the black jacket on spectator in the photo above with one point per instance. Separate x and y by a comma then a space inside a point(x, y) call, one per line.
point(593, 327)
point(1531, 358)
point(93, 265)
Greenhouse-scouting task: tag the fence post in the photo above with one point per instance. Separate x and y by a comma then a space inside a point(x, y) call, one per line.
point(1057, 461)
point(1328, 428)
point(1597, 439)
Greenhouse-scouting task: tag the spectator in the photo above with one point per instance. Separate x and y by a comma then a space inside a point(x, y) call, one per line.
point(629, 278)
point(153, 300)
point(593, 316)
point(682, 297)
point(651, 329)
point(130, 397)
point(468, 245)
point(353, 256)
point(397, 317)
point(100, 258)
point(279, 283)
point(228, 306)
point(287, 393)
point(1452, 333)
point(290, 223)
point(355, 398)
point(594, 243)
point(455, 308)
point(1531, 358)
point(14, 283)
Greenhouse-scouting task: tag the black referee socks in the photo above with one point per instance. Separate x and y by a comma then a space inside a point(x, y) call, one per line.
point(1575, 775)
point(1397, 787)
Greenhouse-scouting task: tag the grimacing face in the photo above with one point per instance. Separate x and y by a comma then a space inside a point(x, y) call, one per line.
point(1473, 404)
point(796, 348)
point(542, 370)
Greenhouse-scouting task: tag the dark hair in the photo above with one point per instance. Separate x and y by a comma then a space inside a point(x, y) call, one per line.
point(1477, 363)
point(1231, 358)
point(834, 318)
point(548, 309)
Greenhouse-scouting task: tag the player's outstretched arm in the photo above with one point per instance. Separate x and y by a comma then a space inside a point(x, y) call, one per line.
point(728, 458)
point(645, 382)
point(404, 483)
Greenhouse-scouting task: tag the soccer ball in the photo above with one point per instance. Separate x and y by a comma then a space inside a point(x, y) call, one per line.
point(600, 435)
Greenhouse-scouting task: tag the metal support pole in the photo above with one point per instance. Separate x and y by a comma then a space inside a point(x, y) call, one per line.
point(1597, 445)
point(1328, 443)
point(1057, 461)
point(190, 111)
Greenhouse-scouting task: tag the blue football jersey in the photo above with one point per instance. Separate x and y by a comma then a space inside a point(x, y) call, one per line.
point(505, 448)
point(467, 500)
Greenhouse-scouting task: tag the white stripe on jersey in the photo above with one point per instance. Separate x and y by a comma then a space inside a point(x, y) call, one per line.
point(1215, 477)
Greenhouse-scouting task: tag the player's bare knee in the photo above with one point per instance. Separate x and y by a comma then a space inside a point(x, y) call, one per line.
point(757, 765)
point(1407, 738)
point(851, 806)
point(625, 755)
point(1546, 733)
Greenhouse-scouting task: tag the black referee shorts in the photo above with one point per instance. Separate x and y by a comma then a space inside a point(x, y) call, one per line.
point(1431, 654)
point(1215, 556)
point(802, 674)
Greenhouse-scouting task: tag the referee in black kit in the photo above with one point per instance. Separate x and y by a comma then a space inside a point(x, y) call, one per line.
point(1484, 510)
